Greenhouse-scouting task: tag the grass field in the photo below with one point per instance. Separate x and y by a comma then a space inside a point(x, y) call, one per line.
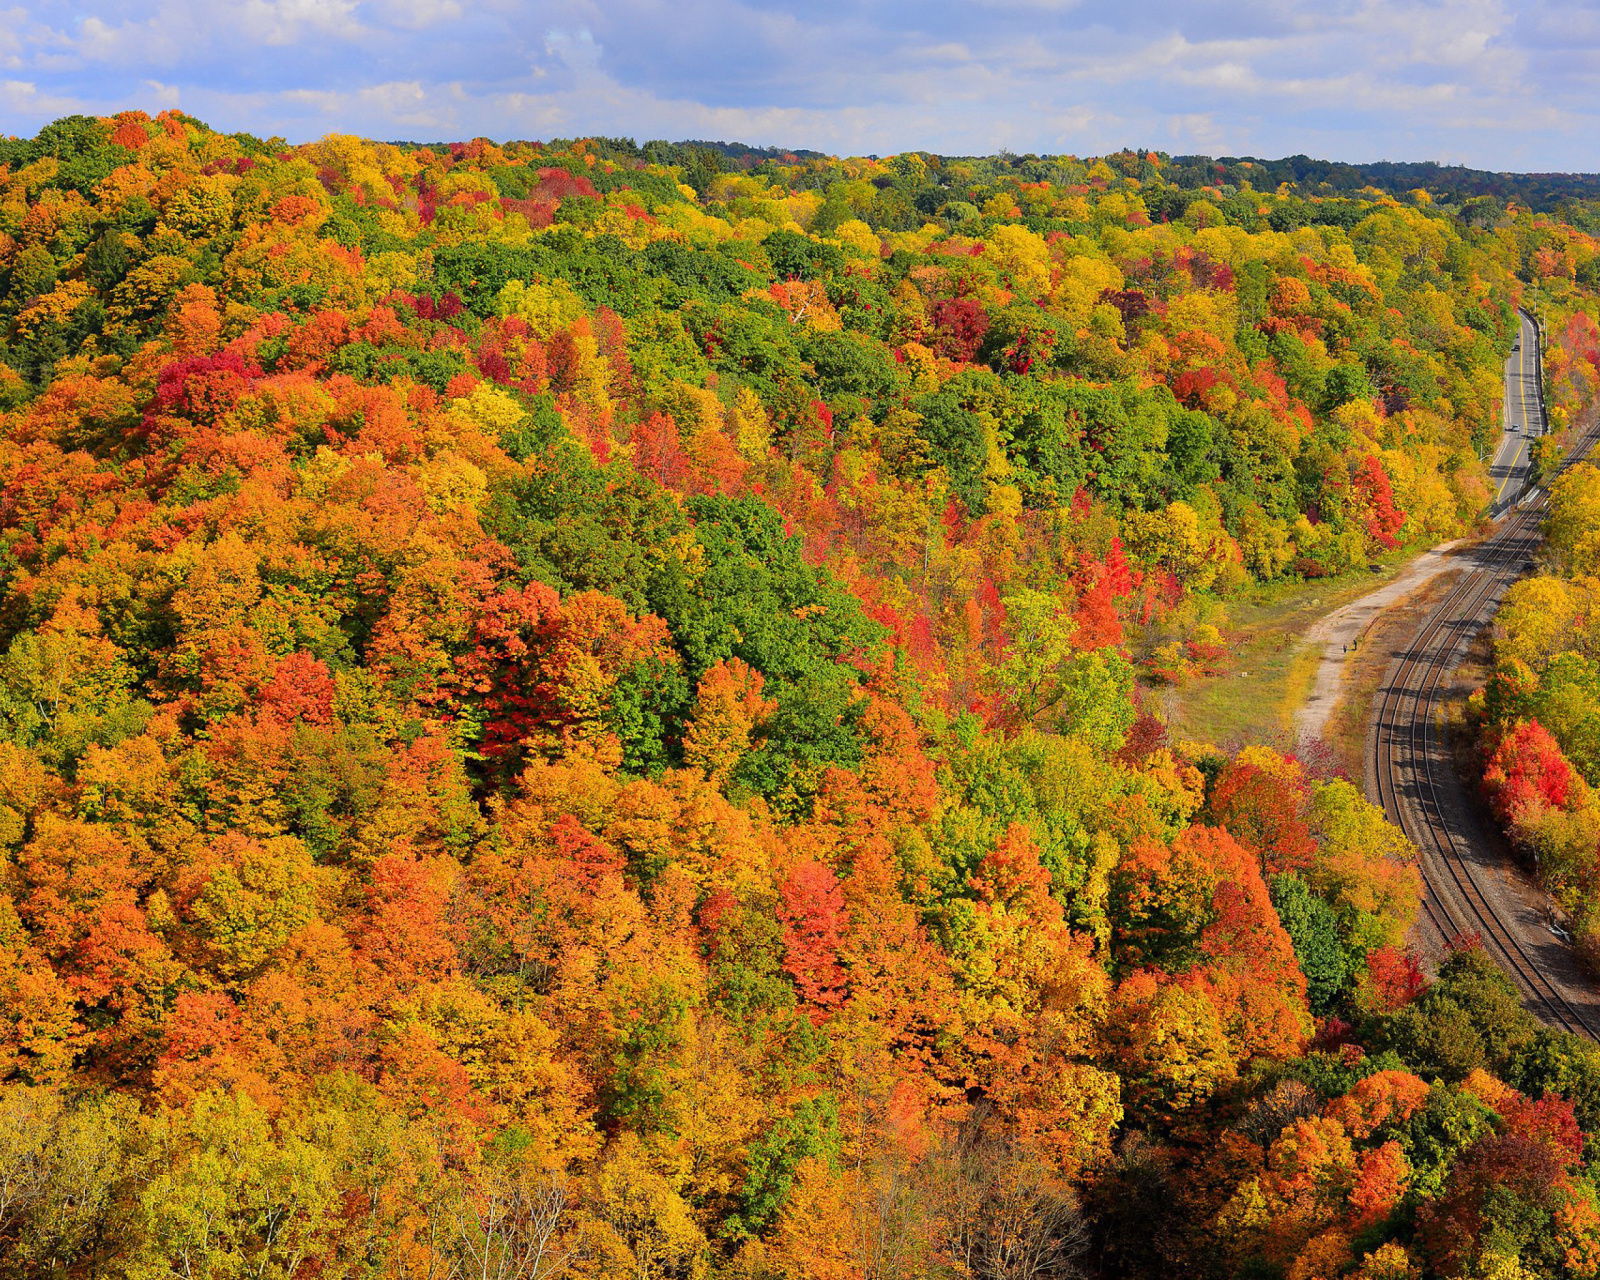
point(1268, 673)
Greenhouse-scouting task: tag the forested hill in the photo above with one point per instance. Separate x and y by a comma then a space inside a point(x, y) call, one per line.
point(1473, 194)
point(571, 708)
point(1448, 184)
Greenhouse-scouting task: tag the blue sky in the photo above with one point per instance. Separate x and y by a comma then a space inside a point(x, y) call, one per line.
point(1492, 83)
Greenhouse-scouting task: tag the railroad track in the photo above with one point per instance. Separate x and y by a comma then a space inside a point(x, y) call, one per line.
point(1404, 757)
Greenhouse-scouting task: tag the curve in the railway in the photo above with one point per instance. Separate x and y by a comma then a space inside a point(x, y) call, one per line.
point(1406, 757)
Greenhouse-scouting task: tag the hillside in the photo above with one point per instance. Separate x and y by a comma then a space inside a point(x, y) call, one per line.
point(578, 709)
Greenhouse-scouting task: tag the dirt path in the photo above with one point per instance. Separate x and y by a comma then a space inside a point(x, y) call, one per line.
point(1338, 633)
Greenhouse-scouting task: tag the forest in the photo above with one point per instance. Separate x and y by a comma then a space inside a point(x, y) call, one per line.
point(585, 709)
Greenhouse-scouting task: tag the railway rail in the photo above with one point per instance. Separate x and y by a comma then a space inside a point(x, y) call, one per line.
point(1406, 762)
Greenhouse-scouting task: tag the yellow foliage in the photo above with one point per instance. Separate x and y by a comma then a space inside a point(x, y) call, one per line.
point(1211, 313)
point(592, 384)
point(202, 208)
point(649, 1216)
point(1387, 1262)
point(256, 901)
point(1323, 1258)
point(1175, 540)
point(747, 419)
point(1083, 280)
point(1265, 543)
point(1537, 617)
point(916, 241)
point(858, 236)
point(489, 409)
point(729, 708)
point(812, 1238)
point(616, 221)
point(449, 483)
point(1023, 255)
point(387, 272)
point(55, 308)
point(1168, 1042)
point(545, 305)
point(1422, 494)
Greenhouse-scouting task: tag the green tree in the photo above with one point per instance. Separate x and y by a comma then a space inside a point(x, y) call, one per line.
point(1097, 699)
point(1314, 930)
point(1470, 1018)
point(796, 256)
point(751, 595)
point(577, 526)
point(808, 1132)
point(1448, 1123)
point(1033, 676)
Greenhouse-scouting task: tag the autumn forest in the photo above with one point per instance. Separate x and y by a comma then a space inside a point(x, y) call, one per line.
point(596, 710)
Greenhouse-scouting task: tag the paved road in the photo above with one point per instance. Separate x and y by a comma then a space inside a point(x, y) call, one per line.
point(1470, 882)
point(1523, 414)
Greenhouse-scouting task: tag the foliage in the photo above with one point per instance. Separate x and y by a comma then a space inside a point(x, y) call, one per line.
point(584, 709)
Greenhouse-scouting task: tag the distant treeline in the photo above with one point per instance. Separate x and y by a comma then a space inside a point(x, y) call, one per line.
point(1448, 184)
point(1452, 183)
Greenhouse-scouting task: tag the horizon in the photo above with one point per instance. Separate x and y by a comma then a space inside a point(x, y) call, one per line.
point(803, 152)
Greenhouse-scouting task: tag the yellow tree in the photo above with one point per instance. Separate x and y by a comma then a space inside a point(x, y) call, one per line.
point(729, 711)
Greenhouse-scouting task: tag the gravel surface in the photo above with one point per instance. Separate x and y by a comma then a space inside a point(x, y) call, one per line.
point(1339, 632)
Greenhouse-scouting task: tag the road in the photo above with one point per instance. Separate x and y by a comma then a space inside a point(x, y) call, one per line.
point(1522, 414)
point(1470, 882)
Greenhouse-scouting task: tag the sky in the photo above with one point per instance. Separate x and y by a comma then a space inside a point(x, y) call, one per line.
point(1496, 84)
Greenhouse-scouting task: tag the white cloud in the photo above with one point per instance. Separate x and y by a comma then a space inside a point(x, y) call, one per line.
point(414, 14)
point(132, 44)
point(165, 95)
point(284, 22)
point(23, 98)
point(11, 44)
point(398, 102)
point(1493, 81)
point(1199, 133)
point(575, 50)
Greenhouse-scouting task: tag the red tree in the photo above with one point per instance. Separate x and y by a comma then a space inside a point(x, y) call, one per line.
point(811, 907)
point(1373, 495)
point(1527, 769)
point(1393, 980)
point(959, 328)
point(1268, 813)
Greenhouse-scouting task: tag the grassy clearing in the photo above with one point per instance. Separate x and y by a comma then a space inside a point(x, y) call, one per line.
point(1267, 673)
